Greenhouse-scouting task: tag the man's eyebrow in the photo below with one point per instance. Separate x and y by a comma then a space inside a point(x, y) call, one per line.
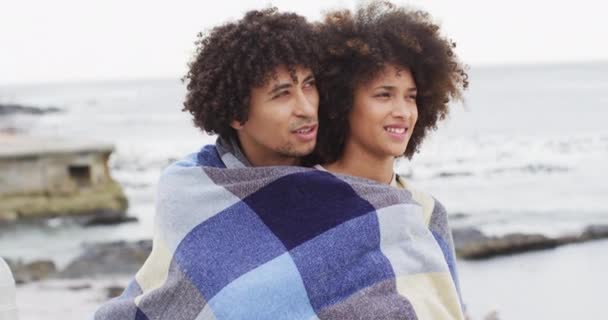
point(279, 87)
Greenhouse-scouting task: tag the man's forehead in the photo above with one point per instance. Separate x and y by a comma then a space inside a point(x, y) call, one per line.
point(283, 74)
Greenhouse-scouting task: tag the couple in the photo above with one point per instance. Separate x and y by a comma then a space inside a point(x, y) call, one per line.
point(295, 212)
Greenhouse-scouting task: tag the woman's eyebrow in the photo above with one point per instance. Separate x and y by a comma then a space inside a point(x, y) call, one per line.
point(386, 87)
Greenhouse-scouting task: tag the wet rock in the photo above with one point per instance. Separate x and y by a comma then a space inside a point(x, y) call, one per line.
point(8, 217)
point(108, 259)
point(9, 109)
point(32, 271)
point(78, 287)
point(595, 232)
point(105, 218)
point(470, 243)
point(466, 236)
point(454, 174)
point(458, 216)
point(114, 291)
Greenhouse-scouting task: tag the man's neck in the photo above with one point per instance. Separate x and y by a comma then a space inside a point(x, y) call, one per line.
point(358, 162)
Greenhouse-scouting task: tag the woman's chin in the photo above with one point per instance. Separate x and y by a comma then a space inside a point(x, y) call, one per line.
point(394, 152)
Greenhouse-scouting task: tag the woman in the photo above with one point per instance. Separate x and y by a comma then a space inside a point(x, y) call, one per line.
point(388, 77)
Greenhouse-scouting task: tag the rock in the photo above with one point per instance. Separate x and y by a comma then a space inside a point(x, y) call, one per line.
point(105, 218)
point(7, 217)
point(108, 259)
point(595, 232)
point(466, 236)
point(114, 291)
point(33, 271)
point(458, 216)
point(45, 177)
point(454, 174)
point(78, 287)
point(471, 243)
point(8, 109)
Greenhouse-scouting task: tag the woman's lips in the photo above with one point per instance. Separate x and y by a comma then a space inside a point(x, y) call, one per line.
point(396, 132)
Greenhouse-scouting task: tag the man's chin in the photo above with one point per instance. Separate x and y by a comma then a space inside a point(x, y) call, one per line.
point(298, 152)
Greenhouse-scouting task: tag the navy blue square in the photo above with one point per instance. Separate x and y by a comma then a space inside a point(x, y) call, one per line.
point(321, 200)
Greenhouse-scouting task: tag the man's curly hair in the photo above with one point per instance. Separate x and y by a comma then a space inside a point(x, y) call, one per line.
point(235, 57)
point(358, 47)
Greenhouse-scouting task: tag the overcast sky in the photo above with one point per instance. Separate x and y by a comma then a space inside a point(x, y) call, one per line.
point(65, 40)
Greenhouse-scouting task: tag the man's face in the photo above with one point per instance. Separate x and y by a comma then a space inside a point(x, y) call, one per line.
point(282, 122)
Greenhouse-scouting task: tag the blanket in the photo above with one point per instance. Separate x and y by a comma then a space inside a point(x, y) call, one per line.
point(233, 241)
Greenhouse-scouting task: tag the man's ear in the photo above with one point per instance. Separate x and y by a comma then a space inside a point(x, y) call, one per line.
point(237, 125)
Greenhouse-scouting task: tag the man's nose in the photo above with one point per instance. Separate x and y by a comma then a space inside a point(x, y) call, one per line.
point(306, 105)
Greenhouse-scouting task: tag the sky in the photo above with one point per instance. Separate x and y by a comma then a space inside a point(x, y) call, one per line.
point(69, 40)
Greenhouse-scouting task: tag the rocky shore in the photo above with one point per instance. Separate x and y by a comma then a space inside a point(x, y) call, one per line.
point(471, 243)
point(125, 258)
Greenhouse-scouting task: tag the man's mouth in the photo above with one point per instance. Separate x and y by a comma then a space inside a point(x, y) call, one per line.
point(306, 133)
point(305, 130)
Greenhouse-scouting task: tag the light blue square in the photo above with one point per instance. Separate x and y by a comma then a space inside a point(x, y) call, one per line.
point(273, 290)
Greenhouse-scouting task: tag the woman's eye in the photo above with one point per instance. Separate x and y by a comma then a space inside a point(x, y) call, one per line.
point(413, 97)
point(310, 84)
point(383, 95)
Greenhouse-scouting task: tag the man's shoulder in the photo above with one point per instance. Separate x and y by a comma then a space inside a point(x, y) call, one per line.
point(206, 156)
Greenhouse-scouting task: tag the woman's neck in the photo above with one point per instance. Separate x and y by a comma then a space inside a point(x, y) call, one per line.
point(363, 164)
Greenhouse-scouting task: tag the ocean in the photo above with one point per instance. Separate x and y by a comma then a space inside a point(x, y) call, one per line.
point(526, 152)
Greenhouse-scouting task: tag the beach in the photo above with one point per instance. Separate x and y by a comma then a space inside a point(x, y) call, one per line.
point(518, 156)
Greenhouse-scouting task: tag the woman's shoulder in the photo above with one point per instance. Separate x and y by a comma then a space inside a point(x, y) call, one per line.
point(426, 201)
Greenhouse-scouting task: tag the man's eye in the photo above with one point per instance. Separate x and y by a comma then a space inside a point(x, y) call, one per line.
point(281, 94)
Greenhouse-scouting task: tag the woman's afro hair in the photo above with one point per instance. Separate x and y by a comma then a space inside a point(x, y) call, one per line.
point(358, 46)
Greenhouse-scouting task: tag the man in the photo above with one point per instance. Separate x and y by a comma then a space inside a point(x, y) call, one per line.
point(252, 83)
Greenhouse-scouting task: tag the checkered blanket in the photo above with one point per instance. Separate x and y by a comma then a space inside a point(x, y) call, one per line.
point(239, 242)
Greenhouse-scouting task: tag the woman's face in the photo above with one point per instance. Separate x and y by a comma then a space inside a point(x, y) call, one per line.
point(384, 113)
